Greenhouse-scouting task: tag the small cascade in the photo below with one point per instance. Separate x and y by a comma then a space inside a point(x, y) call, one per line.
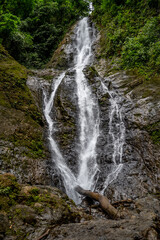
point(91, 8)
point(69, 179)
point(116, 136)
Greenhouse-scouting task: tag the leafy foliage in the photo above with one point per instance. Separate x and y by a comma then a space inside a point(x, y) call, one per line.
point(32, 29)
point(131, 32)
point(20, 8)
point(144, 48)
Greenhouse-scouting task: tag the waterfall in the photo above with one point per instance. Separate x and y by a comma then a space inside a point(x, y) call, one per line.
point(69, 179)
point(88, 122)
point(116, 136)
point(88, 110)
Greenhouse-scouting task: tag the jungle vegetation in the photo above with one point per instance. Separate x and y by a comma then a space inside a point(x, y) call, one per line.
point(130, 31)
point(32, 29)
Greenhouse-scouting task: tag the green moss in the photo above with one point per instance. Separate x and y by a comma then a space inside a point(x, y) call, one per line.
point(58, 60)
point(103, 100)
point(3, 100)
point(155, 135)
point(17, 108)
point(5, 191)
point(154, 131)
point(9, 189)
point(29, 203)
point(32, 199)
point(147, 93)
point(92, 71)
point(30, 139)
point(34, 191)
point(13, 89)
point(48, 77)
point(8, 180)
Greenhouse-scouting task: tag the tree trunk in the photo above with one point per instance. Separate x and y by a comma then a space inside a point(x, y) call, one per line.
point(104, 202)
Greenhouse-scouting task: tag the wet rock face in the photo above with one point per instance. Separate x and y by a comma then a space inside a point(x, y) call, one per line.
point(139, 106)
point(15, 160)
point(141, 155)
point(21, 131)
point(65, 109)
point(63, 58)
point(66, 114)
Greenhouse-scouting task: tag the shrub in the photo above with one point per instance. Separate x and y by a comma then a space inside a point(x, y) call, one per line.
point(143, 50)
point(133, 53)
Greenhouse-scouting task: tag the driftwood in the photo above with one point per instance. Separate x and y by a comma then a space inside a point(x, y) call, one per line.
point(44, 235)
point(104, 202)
point(123, 202)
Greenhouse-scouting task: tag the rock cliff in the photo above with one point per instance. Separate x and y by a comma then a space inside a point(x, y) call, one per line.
point(42, 212)
point(138, 101)
point(22, 151)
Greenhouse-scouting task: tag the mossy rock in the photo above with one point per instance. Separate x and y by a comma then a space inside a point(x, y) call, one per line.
point(28, 208)
point(8, 181)
point(154, 132)
point(20, 118)
point(91, 73)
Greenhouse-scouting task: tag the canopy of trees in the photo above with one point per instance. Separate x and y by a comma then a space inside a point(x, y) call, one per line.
point(31, 29)
point(108, 4)
point(131, 33)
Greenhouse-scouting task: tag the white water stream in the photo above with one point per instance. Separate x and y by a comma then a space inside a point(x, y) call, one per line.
point(88, 110)
point(69, 179)
point(117, 136)
point(89, 120)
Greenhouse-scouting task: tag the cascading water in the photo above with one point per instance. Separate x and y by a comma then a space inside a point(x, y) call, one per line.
point(88, 120)
point(116, 136)
point(88, 110)
point(88, 123)
point(68, 177)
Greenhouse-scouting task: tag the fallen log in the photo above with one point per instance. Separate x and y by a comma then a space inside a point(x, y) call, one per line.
point(103, 201)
